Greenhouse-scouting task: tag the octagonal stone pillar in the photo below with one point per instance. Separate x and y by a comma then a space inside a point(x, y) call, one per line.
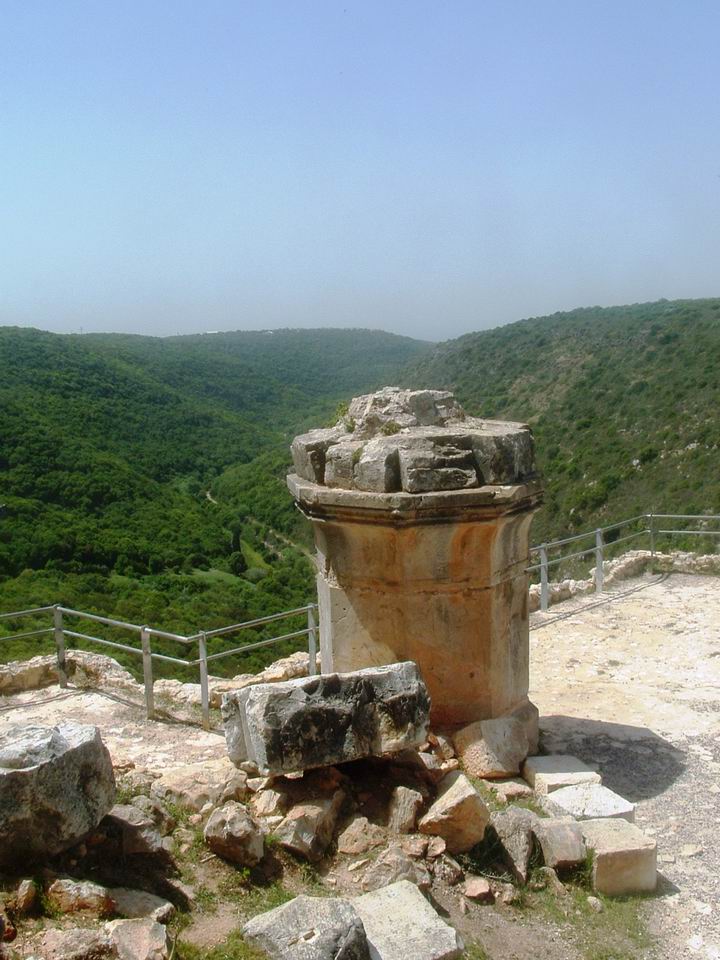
point(421, 518)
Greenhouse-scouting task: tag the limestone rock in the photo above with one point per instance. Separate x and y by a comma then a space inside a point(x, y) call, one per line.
point(624, 858)
point(134, 904)
point(26, 899)
point(139, 832)
point(232, 834)
point(308, 827)
point(156, 811)
point(74, 944)
point(56, 784)
point(514, 828)
point(327, 719)
point(269, 803)
point(562, 843)
point(360, 836)
point(405, 804)
point(478, 889)
point(492, 748)
point(400, 924)
point(548, 773)
point(192, 785)
point(143, 939)
point(80, 896)
point(511, 789)
point(392, 865)
point(589, 801)
point(448, 870)
point(310, 928)
point(458, 815)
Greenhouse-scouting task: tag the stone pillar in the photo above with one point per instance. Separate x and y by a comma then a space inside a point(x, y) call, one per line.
point(421, 518)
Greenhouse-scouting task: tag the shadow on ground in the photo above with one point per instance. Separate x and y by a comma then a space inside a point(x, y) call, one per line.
point(634, 761)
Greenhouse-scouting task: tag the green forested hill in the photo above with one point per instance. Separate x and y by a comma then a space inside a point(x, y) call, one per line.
point(111, 448)
point(623, 401)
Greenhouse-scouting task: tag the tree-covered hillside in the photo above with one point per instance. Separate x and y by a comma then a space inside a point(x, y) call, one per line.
point(110, 452)
point(623, 402)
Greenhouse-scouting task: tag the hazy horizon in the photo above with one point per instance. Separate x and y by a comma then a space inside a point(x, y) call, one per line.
point(430, 171)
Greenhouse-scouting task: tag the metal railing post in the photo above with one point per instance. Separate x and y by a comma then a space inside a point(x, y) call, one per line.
point(147, 672)
point(312, 642)
point(60, 645)
point(544, 590)
point(599, 572)
point(204, 692)
point(651, 518)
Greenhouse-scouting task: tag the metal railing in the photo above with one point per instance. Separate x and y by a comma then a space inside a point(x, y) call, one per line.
point(61, 632)
point(601, 543)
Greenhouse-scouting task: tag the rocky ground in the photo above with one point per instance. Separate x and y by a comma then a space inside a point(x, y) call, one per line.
point(629, 683)
point(632, 682)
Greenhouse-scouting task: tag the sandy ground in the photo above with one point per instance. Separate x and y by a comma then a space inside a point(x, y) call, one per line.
point(632, 682)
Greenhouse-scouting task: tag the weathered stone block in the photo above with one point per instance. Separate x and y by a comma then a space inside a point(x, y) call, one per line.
point(143, 939)
point(360, 836)
point(310, 928)
point(332, 718)
point(458, 815)
point(492, 748)
point(56, 784)
point(548, 773)
point(561, 842)
point(588, 801)
point(624, 858)
point(405, 804)
point(514, 828)
point(400, 924)
point(309, 452)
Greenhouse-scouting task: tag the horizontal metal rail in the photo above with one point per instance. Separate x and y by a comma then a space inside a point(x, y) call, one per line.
point(255, 623)
point(255, 646)
point(25, 613)
point(29, 633)
point(101, 640)
point(695, 533)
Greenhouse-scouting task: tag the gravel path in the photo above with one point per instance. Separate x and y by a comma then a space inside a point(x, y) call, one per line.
point(632, 683)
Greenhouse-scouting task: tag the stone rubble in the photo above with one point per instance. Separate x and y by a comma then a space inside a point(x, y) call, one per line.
point(405, 804)
point(56, 784)
point(308, 828)
point(392, 865)
point(331, 718)
point(515, 828)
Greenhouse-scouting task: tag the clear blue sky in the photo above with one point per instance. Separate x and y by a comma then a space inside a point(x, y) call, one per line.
point(425, 167)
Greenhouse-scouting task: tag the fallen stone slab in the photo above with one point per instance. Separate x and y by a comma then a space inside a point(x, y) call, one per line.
point(400, 924)
point(561, 842)
point(458, 815)
point(56, 785)
point(310, 928)
point(548, 773)
point(143, 939)
point(234, 835)
point(323, 720)
point(492, 748)
point(591, 801)
point(624, 858)
point(514, 828)
point(514, 788)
